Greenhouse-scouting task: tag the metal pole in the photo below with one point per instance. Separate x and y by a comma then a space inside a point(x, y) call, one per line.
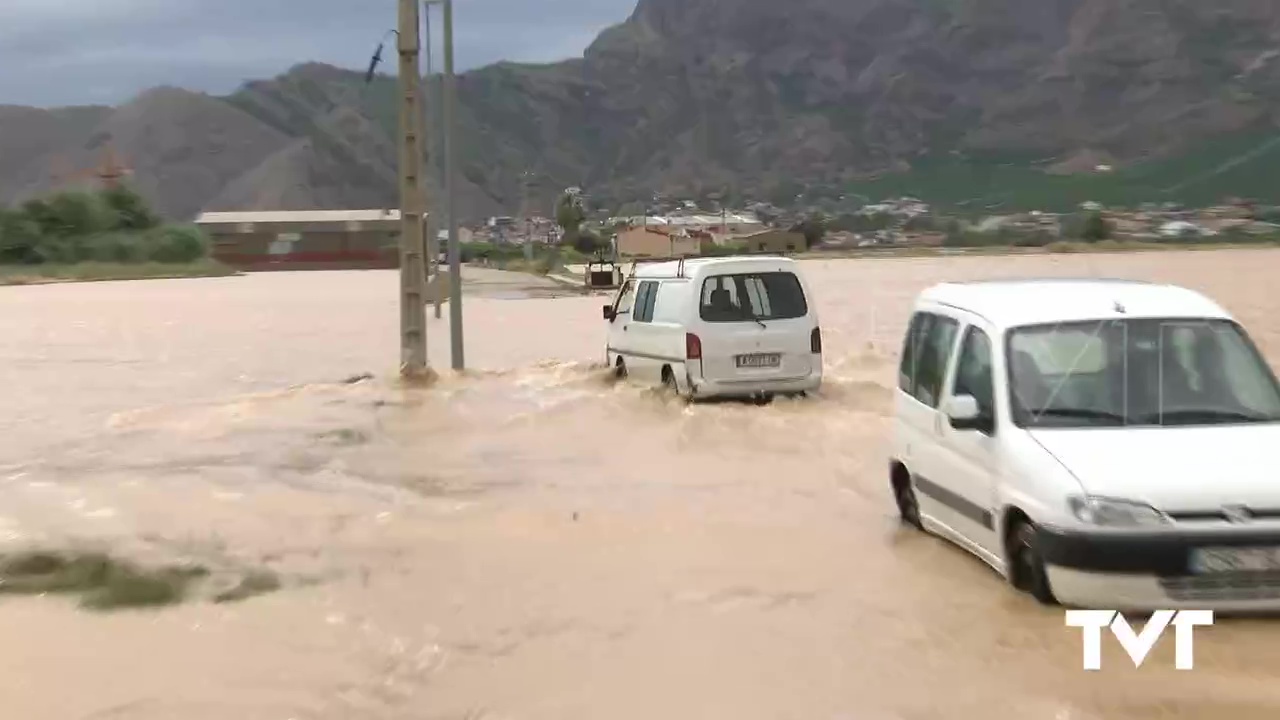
point(413, 321)
point(433, 224)
point(524, 216)
point(455, 252)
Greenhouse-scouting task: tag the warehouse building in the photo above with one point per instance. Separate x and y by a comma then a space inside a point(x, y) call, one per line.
point(305, 239)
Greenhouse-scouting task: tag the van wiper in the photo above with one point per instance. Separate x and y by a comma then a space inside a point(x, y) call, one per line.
point(1210, 417)
point(1078, 413)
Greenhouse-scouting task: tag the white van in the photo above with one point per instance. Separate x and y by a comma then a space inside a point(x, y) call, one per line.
point(1101, 443)
point(717, 327)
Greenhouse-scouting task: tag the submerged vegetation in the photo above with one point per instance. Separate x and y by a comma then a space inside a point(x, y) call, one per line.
point(106, 583)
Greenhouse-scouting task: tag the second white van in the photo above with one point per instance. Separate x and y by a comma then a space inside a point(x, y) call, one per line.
point(717, 327)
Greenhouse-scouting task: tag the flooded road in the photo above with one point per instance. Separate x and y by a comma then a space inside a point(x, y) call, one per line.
point(528, 540)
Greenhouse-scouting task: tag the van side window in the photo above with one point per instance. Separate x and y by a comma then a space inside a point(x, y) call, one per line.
point(931, 368)
point(911, 349)
point(626, 298)
point(974, 372)
point(924, 359)
point(645, 300)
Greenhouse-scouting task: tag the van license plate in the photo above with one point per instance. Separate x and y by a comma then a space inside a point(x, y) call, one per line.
point(759, 360)
point(1234, 559)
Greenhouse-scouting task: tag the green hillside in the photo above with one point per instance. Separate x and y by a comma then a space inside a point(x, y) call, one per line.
point(1242, 165)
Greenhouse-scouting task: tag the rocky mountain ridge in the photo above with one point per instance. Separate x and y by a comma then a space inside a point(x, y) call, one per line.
point(740, 97)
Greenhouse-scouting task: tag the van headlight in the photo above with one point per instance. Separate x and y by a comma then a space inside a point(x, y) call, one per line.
point(1113, 512)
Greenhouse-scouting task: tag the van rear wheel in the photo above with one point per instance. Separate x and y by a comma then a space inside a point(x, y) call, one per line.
point(669, 383)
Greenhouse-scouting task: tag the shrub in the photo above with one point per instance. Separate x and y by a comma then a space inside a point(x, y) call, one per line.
point(19, 238)
point(76, 214)
point(118, 247)
point(61, 249)
point(129, 211)
point(176, 244)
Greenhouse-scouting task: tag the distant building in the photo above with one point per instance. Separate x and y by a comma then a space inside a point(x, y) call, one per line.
point(922, 239)
point(903, 207)
point(656, 242)
point(775, 241)
point(733, 223)
point(305, 240)
point(465, 236)
point(1182, 228)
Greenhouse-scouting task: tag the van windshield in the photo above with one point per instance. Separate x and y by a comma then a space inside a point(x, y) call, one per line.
point(752, 296)
point(1150, 372)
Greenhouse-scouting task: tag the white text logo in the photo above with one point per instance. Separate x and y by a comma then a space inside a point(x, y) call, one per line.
point(1139, 645)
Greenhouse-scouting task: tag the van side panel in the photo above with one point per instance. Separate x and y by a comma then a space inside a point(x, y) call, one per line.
point(657, 341)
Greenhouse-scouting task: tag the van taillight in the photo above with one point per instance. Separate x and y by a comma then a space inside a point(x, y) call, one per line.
point(692, 347)
point(815, 341)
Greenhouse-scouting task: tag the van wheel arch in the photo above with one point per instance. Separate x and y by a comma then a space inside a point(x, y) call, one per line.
point(1024, 566)
point(904, 495)
point(669, 379)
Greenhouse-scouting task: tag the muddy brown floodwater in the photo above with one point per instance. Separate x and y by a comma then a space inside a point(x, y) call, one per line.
point(527, 541)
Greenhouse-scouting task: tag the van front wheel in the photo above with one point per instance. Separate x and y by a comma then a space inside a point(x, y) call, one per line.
point(1027, 566)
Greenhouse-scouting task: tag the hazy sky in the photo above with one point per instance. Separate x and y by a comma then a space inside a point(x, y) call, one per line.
point(62, 52)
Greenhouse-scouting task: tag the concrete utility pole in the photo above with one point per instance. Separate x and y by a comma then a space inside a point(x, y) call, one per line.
point(524, 215)
point(455, 252)
point(413, 320)
point(429, 137)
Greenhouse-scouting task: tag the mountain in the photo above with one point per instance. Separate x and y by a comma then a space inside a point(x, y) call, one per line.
point(958, 101)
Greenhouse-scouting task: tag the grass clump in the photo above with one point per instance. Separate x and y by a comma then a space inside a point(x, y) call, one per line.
point(95, 271)
point(256, 582)
point(103, 583)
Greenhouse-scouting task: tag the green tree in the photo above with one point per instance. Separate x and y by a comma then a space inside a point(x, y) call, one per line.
point(76, 214)
point(588, 242)
point(38, 211)
point(570, 212)
point(175, 244)
point(814, 228)
point(1095, 227)
point(130, 210)
point(19, 238)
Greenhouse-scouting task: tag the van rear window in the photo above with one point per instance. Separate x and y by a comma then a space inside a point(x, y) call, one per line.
point(752, 296)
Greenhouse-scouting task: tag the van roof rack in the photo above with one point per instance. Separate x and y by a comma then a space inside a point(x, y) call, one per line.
point(680, 259)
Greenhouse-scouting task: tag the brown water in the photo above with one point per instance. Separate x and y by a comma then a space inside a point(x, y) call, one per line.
point(528, 541)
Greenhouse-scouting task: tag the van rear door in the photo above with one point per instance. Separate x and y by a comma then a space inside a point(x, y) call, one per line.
point(755, 325)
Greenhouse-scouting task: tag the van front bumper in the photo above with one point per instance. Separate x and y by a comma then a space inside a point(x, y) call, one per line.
point(702, 388)
point(1151, 571)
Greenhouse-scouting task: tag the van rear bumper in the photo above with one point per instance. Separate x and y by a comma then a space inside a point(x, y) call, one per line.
point(703, 388)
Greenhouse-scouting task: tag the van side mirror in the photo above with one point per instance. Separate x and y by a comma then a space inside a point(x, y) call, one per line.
point(964, 414)
point(608, 313)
